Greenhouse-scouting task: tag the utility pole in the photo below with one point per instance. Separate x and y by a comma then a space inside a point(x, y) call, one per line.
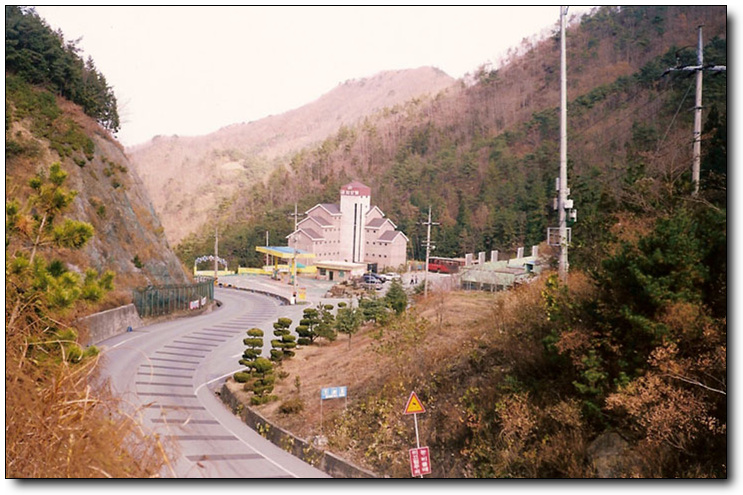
point(428, 249)
point(294, 247)
point(563, 192)
point(266, 246)
point(697, 144)
point(216, 253)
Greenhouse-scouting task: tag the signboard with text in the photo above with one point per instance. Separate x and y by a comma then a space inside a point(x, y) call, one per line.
point(333, 393)
point(420, 462)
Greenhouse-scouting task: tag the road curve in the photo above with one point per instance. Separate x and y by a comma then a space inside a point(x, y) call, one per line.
point(167, 374)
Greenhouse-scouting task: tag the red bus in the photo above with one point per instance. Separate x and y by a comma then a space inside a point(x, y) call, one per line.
point(444, 265)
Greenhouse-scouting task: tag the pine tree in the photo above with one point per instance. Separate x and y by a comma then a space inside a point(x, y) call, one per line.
point(282, 347)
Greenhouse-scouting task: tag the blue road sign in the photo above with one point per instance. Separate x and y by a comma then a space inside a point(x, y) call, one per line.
point(333, 393)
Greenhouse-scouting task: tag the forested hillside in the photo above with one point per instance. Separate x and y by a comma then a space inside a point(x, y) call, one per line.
point(484, 155)
point(80, 233)
point(190, 178)
point(59, 109)
point(620, 373)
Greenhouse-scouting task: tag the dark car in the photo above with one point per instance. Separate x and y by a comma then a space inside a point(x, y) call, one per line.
point(371, 282)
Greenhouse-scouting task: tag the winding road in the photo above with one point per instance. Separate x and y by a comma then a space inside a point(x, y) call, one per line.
point(167, 373)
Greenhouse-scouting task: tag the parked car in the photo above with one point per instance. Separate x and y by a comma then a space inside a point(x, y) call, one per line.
point(376, 277)
point(369, 281)
point(391, 276)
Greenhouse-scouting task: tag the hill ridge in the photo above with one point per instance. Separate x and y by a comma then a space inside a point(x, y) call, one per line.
point(213, 166)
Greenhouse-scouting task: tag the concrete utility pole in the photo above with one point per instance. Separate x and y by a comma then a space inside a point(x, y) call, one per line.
point(266, 246)
point(697, 144)
point(216, 253)
point(428, 249)
point(562, 201)
point(294, 247)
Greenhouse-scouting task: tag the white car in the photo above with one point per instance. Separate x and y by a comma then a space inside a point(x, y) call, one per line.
point(391, 276)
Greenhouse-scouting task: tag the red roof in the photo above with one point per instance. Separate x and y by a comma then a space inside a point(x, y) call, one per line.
point(356, 188)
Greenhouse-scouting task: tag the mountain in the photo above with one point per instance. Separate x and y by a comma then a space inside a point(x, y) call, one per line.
point(190, 177)
point(485, 153)
point(42, 129)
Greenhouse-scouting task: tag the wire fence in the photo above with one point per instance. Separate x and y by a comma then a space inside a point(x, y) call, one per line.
point(167, 299)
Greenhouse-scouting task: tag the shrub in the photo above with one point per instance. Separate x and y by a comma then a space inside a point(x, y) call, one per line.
point(291, 406)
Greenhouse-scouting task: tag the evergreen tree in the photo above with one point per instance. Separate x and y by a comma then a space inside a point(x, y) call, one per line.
point(263, 372)
point(39, 55)
point(32, 281)
point(282, 346)
point(307, 326)
point(396, 298)
point(374, 309)
point(348, 321)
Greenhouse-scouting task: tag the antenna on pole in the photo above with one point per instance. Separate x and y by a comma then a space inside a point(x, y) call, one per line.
point(697, 144)
point(429, 246)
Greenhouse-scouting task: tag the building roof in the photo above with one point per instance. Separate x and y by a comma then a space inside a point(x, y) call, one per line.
point(376, 223)
point(331, 208)
point(319, 221)
point(371, 211)
point(390, 235)
point(311, 233)
point(340, 265)
point(356, 188)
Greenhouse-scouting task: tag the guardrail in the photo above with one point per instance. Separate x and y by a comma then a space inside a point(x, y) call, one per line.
point(166, 299)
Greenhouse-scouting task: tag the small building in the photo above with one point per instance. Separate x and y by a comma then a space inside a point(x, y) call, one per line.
point(353, 232)
point(339, 271)
point(500, 275)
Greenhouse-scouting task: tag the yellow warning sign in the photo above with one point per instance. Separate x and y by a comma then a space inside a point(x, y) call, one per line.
point(414, 405)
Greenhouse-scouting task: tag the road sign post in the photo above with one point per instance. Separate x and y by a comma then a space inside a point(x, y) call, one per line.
point(332, 393)
point(419, 459)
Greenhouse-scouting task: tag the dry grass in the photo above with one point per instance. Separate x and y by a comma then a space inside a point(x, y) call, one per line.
point(60, 424)
point(454, 349)
point(410, 349)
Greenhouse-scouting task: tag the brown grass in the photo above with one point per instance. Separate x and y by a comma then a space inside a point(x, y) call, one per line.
point(457, 350)
point(439, 327)
point(61, 422)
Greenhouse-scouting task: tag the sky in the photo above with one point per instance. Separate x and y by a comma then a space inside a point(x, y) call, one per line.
point(190, 71)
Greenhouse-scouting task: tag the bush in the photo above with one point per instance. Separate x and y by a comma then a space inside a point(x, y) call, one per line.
point(242, 377)
point(292, 406)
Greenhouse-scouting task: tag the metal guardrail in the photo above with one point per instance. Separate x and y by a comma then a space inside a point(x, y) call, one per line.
point(166, 299)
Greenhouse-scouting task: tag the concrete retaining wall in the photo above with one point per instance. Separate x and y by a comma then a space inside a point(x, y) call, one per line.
point(323, 460)
point(106, 324)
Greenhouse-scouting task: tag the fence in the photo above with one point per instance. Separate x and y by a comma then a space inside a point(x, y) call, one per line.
point(167, 299)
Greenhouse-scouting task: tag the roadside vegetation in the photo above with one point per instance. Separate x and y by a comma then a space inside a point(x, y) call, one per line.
point(58, 423)
point(60, 419)
point(527, 383)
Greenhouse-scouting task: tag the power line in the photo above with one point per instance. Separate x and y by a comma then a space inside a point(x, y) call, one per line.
point(699, 70)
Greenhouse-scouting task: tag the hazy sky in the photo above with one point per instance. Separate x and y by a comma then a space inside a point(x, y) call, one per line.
point(192, 70)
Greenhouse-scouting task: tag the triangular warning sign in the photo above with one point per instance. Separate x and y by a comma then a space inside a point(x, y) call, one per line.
point(414, 405)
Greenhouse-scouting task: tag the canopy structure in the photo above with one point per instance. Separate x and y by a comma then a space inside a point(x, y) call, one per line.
point(286, 253)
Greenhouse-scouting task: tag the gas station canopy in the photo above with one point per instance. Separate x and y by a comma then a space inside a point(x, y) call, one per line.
point(284, 252)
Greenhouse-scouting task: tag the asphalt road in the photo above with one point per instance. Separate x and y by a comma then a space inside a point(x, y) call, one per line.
point(168, 373)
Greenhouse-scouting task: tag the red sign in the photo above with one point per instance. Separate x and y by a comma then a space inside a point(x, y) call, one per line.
point(414, 405)
point(420, 463)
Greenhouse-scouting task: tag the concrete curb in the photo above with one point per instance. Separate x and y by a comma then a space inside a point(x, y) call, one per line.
point(298, 447)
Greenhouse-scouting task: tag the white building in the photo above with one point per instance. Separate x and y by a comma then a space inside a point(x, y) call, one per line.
point(352, 232)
